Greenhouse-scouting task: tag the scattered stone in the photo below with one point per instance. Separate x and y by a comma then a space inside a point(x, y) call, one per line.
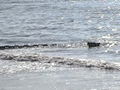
point(93, 44)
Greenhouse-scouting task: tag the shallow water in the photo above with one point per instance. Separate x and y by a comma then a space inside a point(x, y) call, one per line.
point(65, 26)
point(62, 78)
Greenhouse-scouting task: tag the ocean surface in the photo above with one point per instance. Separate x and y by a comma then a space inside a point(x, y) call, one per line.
point(52, 36)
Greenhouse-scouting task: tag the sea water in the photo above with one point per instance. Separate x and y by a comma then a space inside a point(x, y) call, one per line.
point(64, 27)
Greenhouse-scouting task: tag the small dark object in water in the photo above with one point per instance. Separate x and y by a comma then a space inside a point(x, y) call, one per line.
point(44, 45)
point(53, 45)
point(93, 44)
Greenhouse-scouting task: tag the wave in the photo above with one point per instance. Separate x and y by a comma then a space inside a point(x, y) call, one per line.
point(58, 45)
point(54, 45)
point(62, 61)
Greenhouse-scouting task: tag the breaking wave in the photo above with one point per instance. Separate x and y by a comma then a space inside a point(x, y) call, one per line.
point(62, 61)
point(21, 58)
point(55, 45)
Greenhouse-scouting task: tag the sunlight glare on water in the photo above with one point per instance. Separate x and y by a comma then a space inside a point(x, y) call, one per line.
point(63, 27)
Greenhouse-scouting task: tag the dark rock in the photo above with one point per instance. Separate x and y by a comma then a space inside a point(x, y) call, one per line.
point(93, 44)
point(44, 45)
point(53, 45)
